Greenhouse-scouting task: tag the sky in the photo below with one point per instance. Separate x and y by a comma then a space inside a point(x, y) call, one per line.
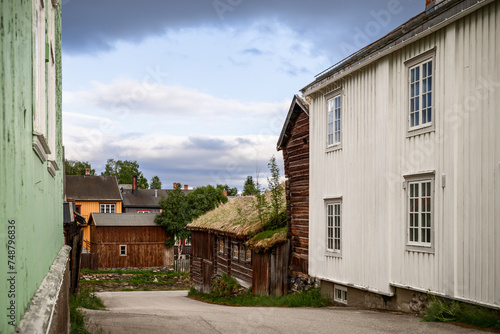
point(197, 91)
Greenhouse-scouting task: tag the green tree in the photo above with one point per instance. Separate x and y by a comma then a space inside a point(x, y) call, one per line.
point(249, 187)
point(260, 202)
point(204, 199)
point(274, 185)
point(74, 167)
point(230, 191)
point(174, 216)
point(124, 170)
point(155, 183)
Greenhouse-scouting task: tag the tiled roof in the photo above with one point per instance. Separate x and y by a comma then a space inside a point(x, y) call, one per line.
point(122, 219)
point(92, 188)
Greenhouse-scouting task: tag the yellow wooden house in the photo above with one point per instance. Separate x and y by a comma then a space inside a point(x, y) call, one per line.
point(93, 194)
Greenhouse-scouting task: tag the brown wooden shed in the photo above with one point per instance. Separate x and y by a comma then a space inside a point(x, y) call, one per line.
point(294, 143)
point(222, 243)
point(129, 241)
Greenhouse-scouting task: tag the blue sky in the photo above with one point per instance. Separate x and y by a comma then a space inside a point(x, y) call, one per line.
point(197, 91)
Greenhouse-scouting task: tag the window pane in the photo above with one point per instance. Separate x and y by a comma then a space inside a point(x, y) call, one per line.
point(429, 115)
point(428, 219)
point(428, 235)
point(429, 67)
point(429, 84)
point(417, 74)
point(417, 104)
point(424, 70)
point(411, 234)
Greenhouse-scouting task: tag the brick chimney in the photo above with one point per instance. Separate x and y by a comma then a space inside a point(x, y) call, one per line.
point(185, 187)
point(134, 184)
point(224, 192)
point(87, 171)
point(429, 4)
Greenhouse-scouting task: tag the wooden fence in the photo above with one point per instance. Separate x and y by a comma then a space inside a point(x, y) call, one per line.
point(181, 265)
point(90, 261)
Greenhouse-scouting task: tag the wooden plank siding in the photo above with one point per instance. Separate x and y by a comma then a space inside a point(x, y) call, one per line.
point(88, 207)
point(368, 172)
point(296, 161)
point(270, 271)
point(145, 246)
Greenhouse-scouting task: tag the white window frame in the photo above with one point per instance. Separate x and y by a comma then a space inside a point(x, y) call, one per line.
point(416, 215)
point(416, 94)
point(340, 294)
point(123, 250)
point(107, 208)
point(52, 167)
point(333, 222)
point(334, 119)
point(40, 143)
point(143, 211)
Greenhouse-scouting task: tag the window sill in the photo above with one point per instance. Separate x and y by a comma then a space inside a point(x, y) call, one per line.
point(420, 131)
point(333, 148)
point(52, 167)
point(333, 254)
point(420, 249)
point(40, 147)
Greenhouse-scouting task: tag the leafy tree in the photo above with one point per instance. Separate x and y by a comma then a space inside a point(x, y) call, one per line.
point(204, 199)
point(230, 191)
point(174, 216)
point(155, 183)
point(274, 184)
point(74, 167)
point(124, 170)
point(249, 187)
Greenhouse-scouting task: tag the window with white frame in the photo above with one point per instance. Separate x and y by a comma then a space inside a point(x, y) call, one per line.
point(51, 90)
point(334, 120)
point(334, 226)
point(340, 294)
point(107, 208)
point(143, 211)
point(123, 250)
point(420, 224)
point(421, 93)
point(40, 143)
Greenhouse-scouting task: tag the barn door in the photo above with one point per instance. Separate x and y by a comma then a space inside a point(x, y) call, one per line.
point(207, 272)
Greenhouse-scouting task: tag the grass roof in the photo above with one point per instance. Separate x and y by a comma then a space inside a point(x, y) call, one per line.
point(238, 216)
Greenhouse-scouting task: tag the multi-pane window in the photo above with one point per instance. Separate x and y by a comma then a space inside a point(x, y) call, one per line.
point(340, 294)
point(107, 208)
point(333, 217)
point(221, 246)
point(420, 213)
point(334, 120)
point(248, 257)
point(123, 250)
point(421, 94)
point(236, 251)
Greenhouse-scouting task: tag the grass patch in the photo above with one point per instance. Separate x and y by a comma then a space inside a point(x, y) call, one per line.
point(86, 299)
point(310, 298)
point(267, 234)
point(442, 310)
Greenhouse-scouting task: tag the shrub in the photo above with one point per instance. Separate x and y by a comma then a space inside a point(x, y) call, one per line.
point(224, 286)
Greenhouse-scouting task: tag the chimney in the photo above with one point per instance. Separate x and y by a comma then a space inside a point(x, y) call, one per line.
point(224, 192)
point(185, 187)
point(429, 4)
point(156, 192)
point(134, 184)
point(87, 171)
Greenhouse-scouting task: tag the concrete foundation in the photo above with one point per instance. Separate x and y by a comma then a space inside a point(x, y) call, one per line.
point(403, 299)
point(48, 310)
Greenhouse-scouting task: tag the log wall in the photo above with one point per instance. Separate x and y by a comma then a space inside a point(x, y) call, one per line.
point(296, 160)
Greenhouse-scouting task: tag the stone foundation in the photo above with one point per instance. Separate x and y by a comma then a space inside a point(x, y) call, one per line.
point(298, 284)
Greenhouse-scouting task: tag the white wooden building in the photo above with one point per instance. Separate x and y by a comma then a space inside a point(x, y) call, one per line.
point(405, 163)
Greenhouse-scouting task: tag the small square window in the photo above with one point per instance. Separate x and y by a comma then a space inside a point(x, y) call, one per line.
point(340, 294)
point(123, 250)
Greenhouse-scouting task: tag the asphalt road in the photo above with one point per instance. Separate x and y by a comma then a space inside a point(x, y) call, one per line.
point(172, 312)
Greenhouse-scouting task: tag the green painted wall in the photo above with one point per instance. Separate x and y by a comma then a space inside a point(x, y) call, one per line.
point(29, 194)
